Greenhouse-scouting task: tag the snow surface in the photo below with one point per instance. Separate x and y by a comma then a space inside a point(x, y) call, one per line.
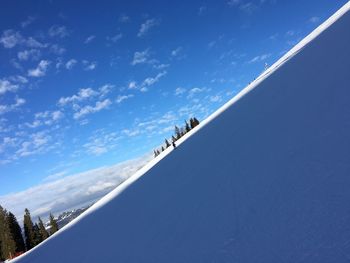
point(264, 179)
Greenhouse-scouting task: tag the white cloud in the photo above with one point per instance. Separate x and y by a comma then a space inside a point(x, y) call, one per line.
point(45, 118)
point(216, 98)
point(152, 80)
point(59, 63)
point(10, 38)
point(89, 65)
point(33, 43)
point(115, 38)
point(34, 124)
point(146, 26)
point(55, 176)
point(8, 142)
point(30, 144)
point(248, 7)
point(71, 63)
point(28, 21)
point(7, 86)
point(18, 79)
point(146, 83)
point(56, 49)
point(101, 142)
point(58, 31)
point(89, 39)
point(105, 89)
point(132, 85)
point(74, 191)
point(40, 70)
point(160, 66)
point(290, 33)
point(179, 91)
point(27, 54)
point(176, 51)
point(99, 105)
point(141, 57)
point(11, 107)
point(260, 58)
point(56, 115)
point(153, 126)
point(189, 111)
point(85, 94)
point(314, 19)
point(82, 94)
point(193, 91)
point(121, 98)
point(36, 144)
point(131, 133)
point(19, 102)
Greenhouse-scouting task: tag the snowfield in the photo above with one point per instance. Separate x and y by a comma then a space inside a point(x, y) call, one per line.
point(264, 179)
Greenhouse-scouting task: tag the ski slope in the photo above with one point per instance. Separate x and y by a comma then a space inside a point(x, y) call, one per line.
point(264, 179)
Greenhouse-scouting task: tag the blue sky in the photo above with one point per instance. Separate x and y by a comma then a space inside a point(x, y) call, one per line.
point(86, 84)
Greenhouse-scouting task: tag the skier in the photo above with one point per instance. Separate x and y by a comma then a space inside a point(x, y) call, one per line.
point(174, 145)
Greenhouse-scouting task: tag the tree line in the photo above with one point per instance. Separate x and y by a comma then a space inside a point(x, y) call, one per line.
point(179, 132)
point(12, 241)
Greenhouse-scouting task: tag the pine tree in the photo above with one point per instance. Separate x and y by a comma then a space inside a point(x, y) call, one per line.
point(43, 232)
point(173, 138)
point(177, 132)
point(2, 258)
point(167, 144)
point(8, 246)
point(192, 123)
point(162, 149)
point(16, 233)
point(187, 127)
point(196, 122)
point(182, 131)
point(37, 236)
point(53, 224)
point(28, 230)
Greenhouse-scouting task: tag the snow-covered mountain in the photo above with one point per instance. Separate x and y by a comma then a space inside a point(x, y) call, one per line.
point(264, 179)
point(67, 216)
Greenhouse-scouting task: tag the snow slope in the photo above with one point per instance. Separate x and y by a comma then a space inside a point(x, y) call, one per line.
point(264, 179)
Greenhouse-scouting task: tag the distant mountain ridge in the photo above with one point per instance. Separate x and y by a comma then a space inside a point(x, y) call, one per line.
point(67, 216)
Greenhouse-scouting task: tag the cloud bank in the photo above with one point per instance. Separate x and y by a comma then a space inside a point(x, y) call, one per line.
point(73, 191)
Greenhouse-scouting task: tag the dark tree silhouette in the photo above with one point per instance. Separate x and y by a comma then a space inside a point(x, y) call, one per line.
point(28, 230)
point(16, 233)
point(167, 144)
point(42, 230)
point(53, 224)
point(7, 244)
point(187, 127)
point(37, 236)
